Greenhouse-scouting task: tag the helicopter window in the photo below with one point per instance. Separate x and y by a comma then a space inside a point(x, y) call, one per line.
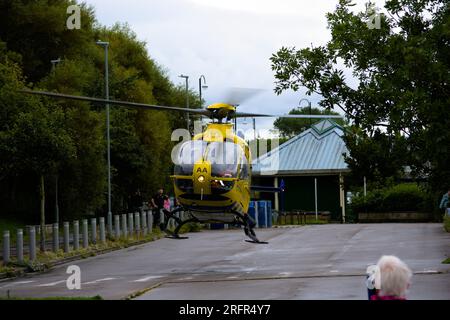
point(189, 153)
point(244, 168)
point(225, 158)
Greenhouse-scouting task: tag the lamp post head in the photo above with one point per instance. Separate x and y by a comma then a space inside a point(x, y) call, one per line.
point(304, 99)
point(102, 43)
point(183, 76)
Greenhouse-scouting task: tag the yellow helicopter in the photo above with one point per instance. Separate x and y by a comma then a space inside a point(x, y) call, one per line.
point(212, 172)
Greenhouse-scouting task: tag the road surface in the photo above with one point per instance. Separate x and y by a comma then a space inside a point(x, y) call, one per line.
point(306, 262)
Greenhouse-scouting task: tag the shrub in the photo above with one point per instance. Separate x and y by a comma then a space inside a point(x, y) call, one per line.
point(400, 197)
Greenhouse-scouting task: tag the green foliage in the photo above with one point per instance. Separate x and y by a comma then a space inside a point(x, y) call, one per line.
point(383, 156)
point(191, 227)
point(291, 127)
point(399, 83)
point(401, 197)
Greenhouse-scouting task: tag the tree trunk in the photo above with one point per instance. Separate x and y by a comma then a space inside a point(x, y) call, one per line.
point(42, 196)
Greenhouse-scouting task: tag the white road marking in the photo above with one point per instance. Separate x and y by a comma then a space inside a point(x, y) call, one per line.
point(232, 277)
point(16, 283)
point(99, 280)
point(187, 278)
point(51, 284)
point(147, 278)
point(334, 271)
point(429, 271)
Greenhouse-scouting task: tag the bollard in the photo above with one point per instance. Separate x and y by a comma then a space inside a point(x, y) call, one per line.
point(6, 248)
point(150, 221)
point(124, 226)
point(32, 235)
point(144, 223)
point(94, 230)
point(109, 222)
point(19, 246)
point(76, 235)
point(117, 226)
point(55, 237)
point(66, 237)
point(130, 224)
point(102, 230)
point(161, 218)
point(137, 222)
point(85, 234)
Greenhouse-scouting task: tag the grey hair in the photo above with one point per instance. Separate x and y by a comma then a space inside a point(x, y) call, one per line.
point(395, 276)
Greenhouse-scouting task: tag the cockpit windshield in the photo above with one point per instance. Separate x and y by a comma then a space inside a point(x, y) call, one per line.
point(189, 153)
point(225, 158)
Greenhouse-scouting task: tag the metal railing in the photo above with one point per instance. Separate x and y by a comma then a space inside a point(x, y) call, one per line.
point(73, 235)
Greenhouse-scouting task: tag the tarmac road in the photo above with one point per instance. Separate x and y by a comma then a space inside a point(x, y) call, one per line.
point(307, 262)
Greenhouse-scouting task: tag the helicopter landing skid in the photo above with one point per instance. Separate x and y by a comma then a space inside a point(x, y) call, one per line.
point(176, 237)
point(171, 215)
point(257, 242)
point(247, 222)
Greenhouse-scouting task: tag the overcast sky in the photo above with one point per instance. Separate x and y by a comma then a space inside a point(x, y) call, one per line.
point(228, 41)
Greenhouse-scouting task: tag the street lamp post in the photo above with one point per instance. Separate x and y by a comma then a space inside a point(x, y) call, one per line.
point(187, 97)
point(200, 87)
point(54, 63)
point(310, 109)
point(105, 45)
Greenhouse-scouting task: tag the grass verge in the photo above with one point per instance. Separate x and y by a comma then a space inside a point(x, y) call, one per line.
point(54, 298)
point(447, 223)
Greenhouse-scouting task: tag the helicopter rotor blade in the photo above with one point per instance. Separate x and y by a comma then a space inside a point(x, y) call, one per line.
point(236, 96)
point(136, 105)
point(292, 116)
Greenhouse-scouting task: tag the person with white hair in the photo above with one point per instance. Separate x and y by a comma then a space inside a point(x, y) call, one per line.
point(394, 279)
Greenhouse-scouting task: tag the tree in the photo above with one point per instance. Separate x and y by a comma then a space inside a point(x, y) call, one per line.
point(401, 73)
point(73, 132)
point(37, 30)
point(36, 142)
point(290, 127)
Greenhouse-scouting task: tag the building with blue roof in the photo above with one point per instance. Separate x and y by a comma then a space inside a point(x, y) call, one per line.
point(312, 168)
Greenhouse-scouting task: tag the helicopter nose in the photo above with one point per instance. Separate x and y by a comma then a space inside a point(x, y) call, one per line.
point(201, 175)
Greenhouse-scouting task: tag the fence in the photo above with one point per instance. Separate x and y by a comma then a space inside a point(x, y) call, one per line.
point(298, 217)
point(94, 231)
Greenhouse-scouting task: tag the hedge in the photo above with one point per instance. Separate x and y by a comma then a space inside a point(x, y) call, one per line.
point(401, 197)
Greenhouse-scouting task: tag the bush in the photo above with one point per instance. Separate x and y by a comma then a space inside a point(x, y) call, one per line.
point(400, 197)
